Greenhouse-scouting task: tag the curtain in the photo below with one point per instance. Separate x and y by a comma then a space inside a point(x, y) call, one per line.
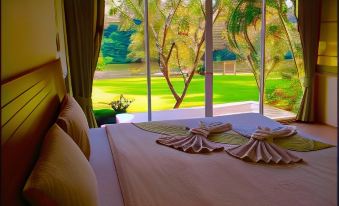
point(84, 27)
point(309, 29)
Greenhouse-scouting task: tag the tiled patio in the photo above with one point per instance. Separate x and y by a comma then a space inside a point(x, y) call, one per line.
point(218, 110)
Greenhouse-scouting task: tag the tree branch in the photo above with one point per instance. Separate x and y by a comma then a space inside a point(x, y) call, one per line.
point(122, 12)
point(202, 9)
point(168, 22)
point(217, 15)
point(179, 64)
point(169, 53)
point(253, 70)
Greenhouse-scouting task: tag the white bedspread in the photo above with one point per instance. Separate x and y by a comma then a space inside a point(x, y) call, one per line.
point(152, 174)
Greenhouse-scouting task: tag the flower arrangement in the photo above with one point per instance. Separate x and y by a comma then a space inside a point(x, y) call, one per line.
point(121, 105)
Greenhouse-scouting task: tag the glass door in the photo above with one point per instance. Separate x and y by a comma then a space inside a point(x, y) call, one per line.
point(236, 56)
point(283, 61)
point(120, 77)
point(177, 45)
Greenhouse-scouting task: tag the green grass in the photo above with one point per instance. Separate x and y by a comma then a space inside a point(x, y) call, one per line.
point(227, 88)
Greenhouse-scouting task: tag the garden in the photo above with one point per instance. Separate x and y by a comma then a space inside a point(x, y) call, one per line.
point(226, 89)
point(177, 49)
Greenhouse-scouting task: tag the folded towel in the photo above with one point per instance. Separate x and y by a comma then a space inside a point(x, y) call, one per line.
point(261, 147)
point(196, 141)
point(265, 133)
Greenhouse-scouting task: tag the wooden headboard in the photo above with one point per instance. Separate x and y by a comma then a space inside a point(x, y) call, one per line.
point(29, 106)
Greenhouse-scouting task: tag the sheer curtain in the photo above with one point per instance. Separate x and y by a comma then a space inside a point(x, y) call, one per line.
point(84, 25)
point(309, 14)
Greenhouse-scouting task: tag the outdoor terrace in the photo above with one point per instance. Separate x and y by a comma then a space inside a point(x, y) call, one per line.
point(199, 112)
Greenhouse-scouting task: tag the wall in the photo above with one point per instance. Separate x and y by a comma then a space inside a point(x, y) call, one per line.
point(28, 35)
point(327, 99)
point(327, 69)
point(61, 35)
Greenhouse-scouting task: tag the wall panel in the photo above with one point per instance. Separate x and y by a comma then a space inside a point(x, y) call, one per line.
point(28, 35)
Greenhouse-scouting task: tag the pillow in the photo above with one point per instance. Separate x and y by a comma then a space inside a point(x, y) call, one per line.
point(73, 121)
point(62, 174)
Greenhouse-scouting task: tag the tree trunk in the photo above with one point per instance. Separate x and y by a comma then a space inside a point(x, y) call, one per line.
point(169, 83)
point(177, 103)
point(253, 70)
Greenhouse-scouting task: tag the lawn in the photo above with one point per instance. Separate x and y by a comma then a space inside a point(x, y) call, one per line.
point(227, 88)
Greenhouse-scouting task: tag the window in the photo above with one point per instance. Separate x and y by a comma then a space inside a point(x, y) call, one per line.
point(186, 35)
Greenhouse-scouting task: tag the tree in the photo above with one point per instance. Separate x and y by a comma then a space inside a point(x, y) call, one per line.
point(177, 32)
point(292, 35)
point(243, 34)
point(243, 37)
point(115, 45)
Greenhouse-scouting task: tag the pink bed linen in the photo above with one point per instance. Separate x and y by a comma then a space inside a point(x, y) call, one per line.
point(152, 174)
point(102, 162)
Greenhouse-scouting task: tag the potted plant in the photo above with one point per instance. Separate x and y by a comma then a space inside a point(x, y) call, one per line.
point(120, 106)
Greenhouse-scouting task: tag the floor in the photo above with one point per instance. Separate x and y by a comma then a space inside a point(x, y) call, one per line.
point(327, 133)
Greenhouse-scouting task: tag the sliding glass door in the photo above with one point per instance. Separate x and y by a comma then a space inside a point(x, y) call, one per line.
point(121, 70)
point(236, 56)
point(283, 61)
point(204, 58)
point(177, 45)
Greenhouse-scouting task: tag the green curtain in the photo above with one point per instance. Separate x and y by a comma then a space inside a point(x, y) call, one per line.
point(309, 29)
point(84, 26)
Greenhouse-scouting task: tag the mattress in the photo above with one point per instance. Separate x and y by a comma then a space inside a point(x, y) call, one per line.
point(142, 172)
point(102, 163)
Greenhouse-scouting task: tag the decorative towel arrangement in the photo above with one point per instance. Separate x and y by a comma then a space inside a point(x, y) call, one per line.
point(196, 141)
point(264, 145)
point(261, 147)
point(294, 142)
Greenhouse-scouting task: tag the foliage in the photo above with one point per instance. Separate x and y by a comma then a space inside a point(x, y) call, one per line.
point(121, 105)
point(177, 35)
point(101, 63)
point(115, 45)
point(285, 96)
point(288, 55)
point(228, 88)
point(243, 35)
point(104, 116)
point(223, 55)
point(201, 69)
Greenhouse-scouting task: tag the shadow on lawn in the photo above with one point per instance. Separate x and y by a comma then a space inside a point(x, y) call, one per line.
point(104, 116)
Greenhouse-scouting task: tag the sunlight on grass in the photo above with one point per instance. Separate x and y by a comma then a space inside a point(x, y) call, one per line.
point(228, 88)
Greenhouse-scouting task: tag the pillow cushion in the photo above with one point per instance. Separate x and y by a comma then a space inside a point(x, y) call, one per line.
point(62, 174)
point(73, 121)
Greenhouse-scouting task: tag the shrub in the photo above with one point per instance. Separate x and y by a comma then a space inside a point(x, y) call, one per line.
point(201, 69)
point(101, 64)
point(121, 105)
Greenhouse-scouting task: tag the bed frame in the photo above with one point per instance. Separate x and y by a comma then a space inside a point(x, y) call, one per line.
point(29, 106)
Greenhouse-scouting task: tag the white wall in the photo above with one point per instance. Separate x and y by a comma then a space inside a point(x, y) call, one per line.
point(326, 77)
point(28, 35)
point(326, 96)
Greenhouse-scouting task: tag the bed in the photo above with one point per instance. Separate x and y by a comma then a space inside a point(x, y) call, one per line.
point(132, 169)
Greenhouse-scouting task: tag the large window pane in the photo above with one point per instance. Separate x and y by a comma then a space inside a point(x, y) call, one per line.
point(177, 47)
point(283, 61)
point(236, 56)
point(121, 65)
